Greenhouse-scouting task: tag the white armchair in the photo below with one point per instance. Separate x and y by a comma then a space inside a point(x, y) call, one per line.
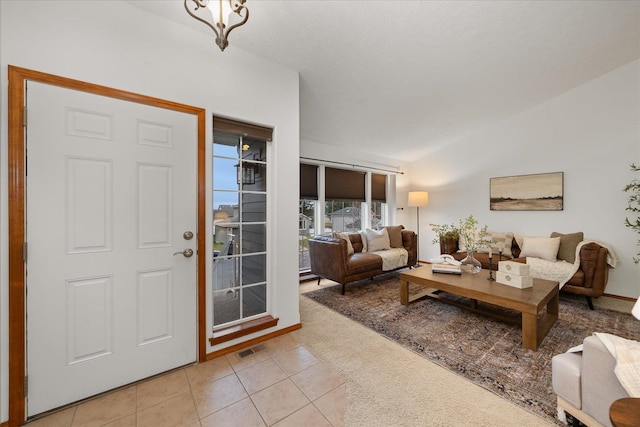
point(586, 384)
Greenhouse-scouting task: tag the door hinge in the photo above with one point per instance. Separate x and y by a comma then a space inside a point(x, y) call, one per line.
point(26, 385)
point(25, 248)
point(24, 116)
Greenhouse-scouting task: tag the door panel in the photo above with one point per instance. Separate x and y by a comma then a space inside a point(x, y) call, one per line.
point(111, 188)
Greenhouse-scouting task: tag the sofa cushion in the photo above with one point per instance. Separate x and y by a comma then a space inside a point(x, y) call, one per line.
point(541, 247)
point(395, 235)
point(363, 263)
point(377, 240)
point(568, 244)
point(345, 236)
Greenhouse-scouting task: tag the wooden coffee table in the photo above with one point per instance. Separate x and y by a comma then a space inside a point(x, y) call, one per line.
point(529, 302)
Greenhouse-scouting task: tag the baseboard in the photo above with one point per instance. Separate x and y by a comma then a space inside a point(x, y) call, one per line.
point(619, 297)
point(584, 418)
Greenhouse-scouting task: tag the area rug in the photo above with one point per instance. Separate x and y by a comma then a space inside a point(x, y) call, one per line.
point(485, 351)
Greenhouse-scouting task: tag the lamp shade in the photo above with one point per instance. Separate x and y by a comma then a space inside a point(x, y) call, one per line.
point(418, 198)
point(636, 309)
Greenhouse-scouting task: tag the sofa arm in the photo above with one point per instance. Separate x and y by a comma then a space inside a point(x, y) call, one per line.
point(600, 386)
point(328, 256)
point(410, 243)
point(593, 263)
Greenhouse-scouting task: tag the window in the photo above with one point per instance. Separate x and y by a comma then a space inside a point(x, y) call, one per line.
point(345, 207)
point(239, 224)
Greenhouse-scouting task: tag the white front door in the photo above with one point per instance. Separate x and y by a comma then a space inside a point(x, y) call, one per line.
point(111, 196)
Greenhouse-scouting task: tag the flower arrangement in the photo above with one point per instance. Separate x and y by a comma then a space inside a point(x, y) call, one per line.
point(472, 237)
point(467, 232)
point(444, 231)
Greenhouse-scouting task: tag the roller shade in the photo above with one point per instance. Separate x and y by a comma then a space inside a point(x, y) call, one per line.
point(378, 187)
point(239, 128)
point(308, 182)
point(341, 184)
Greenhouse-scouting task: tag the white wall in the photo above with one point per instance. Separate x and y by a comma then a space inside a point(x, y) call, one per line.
point(591, 133)
point(118, 45)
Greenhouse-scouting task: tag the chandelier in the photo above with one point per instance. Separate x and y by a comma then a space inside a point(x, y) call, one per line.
point(222, 11)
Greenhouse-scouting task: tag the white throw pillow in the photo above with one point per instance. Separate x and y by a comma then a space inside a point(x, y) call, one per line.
point(345, 236)
point(363, 236)
point(377, 240)
point(541, 247)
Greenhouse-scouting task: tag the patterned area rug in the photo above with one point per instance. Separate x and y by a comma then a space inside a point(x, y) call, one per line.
point(485, 351)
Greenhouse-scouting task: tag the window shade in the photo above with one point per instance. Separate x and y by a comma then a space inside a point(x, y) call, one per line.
point(341, 184)
point(308, 182)
point(239, 128)
point(378, 187)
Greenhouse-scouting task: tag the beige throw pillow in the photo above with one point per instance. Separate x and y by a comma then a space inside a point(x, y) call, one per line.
point(568, 245)
point(505, 238)
point(377, 240)
point(345, 236)
point(395, 235)
point(541, 247)
point(363, 236)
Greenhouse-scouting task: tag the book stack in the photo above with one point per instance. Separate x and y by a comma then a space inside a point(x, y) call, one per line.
point(446, 268)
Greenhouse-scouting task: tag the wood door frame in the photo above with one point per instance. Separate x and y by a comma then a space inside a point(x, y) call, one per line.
point(17, 214)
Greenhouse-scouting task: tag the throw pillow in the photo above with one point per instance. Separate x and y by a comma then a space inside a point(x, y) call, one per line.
point(395, 235)
point(363, 236)
point(541, 247)
point(504, 238)
point(345, 236)
point(568, 244)
point(377, 240)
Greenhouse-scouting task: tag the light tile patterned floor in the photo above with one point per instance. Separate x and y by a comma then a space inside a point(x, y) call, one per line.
point(280, 384)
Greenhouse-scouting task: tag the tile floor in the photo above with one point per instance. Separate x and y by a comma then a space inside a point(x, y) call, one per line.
point(280, 384)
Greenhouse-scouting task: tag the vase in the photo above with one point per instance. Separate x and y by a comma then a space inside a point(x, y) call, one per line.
point(470, 264)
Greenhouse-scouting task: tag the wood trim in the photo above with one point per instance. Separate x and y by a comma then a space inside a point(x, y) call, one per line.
point(202, 237)
point(16, 195)
point(236, 331)
point(16, 205)
point(253, 341)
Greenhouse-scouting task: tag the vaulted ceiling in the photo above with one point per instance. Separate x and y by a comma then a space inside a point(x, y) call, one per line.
point(402, 78)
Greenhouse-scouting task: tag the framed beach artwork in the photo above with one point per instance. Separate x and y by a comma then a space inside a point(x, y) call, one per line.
point(539, 192)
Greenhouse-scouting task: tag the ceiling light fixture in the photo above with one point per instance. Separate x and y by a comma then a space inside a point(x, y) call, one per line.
point(222, 11)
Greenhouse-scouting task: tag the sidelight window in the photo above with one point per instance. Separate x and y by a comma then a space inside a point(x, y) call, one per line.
point(240, 278)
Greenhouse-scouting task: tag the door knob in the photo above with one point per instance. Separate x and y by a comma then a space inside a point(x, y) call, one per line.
point(187, 253)
point(188, 235)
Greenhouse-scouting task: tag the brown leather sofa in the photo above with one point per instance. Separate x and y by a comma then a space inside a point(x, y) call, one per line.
point(330, 260)
point(590, 280)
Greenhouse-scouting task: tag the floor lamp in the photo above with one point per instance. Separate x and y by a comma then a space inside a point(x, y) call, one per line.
point(417, 199)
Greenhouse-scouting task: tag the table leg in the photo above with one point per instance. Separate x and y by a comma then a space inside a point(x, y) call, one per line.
point(404, 292)
point(530, 331)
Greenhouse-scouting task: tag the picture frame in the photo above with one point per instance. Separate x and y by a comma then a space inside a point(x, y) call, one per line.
point(535, 192)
